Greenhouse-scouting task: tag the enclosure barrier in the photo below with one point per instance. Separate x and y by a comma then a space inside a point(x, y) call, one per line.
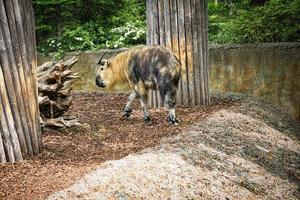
point(182, 26)
point(20, 133)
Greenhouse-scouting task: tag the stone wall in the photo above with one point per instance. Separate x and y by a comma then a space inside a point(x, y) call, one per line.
point(268, 70)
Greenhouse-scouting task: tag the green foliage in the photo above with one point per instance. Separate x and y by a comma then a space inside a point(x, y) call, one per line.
point(82, 37)
point(91, 36)
point(127, 35)
point(275, 21)
point(73, 25)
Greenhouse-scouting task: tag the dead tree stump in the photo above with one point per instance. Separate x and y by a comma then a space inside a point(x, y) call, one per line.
point(55, 86)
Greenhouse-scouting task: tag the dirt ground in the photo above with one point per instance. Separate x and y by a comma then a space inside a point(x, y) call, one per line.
point(69, 154)
point(250, 150)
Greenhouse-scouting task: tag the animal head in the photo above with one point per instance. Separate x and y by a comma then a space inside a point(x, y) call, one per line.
point(112, 72)
point(104, 76)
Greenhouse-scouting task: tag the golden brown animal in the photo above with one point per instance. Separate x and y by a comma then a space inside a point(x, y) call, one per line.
point(143, 68)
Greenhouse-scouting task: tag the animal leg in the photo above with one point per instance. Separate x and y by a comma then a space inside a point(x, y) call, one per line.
point(127, 110)
point(170, 104)
point(143, 100)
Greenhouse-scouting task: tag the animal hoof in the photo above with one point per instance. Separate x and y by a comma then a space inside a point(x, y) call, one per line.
point(147, 119)
point(127, 112)
point(173, 121)
point(126, 115)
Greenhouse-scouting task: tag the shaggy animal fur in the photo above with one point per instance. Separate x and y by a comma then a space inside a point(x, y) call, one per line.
point(143, 68)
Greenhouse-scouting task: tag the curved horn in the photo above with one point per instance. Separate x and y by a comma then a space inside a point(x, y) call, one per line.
point(116, 53)
point(99, 62)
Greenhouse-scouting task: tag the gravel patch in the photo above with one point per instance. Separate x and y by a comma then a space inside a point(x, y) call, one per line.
point(248, 151)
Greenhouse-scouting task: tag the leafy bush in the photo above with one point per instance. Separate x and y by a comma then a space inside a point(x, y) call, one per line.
point(85, 37)
point(127, 35)
point(76, 25)
point(276, 21)
point(92, 36)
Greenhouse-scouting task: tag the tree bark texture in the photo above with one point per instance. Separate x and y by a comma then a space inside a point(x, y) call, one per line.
point(182, 27)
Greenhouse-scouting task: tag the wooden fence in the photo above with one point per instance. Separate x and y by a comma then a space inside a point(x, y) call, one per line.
point(20, 133)
point(182, 26)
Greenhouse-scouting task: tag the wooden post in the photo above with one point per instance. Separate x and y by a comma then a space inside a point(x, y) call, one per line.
point(182, 27)
point(20, 132)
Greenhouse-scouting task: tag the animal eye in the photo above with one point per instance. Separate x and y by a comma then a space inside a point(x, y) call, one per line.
point(101, 68)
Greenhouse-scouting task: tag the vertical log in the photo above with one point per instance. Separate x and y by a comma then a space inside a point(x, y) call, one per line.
point(206, 64)
point(30, 20)
point(168, 29)
point(182, 50)
point(149, 22)
point(19, 127)
point(156, 23)
point(6, 138)
point(202, 42)
point(24, 20)
point(156, 40)
point(183, 28)
point(185, 75)
point(175, 40)
point(26, 53)
point(162, 33)
point(166, 17)
point(189, 52)
point(11, 81)
point(199, 19)
point(2, 152)
point(196, 64)
point(150, 36)
point(10, 138)
point(18, 75)
point(162, 37)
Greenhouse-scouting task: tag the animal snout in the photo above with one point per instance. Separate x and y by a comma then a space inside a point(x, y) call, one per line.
point(99, 82)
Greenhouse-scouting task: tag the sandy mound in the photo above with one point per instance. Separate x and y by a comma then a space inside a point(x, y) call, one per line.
point(249, 151)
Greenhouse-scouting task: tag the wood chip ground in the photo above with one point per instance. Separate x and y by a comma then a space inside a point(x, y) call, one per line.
point(238, 148)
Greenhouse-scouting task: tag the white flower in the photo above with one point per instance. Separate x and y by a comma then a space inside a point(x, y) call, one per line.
point(121, 38)
point(107, 44)
point(78, 38)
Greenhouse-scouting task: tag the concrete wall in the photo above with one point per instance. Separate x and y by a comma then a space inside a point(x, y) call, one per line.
point(86, 66)
point(268, 70)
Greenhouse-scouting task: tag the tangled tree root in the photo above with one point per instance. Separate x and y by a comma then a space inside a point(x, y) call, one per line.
point(55, 82)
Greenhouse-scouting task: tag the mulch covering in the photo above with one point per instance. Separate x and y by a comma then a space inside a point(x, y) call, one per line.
point(69, 154)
